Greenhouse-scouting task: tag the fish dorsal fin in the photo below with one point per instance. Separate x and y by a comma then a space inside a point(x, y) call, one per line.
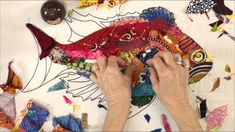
point(158, 12)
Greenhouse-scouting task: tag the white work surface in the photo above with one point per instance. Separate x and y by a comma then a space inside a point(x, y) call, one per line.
point(18, 44)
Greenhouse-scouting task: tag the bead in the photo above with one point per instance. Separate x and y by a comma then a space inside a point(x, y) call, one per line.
point(153, 33)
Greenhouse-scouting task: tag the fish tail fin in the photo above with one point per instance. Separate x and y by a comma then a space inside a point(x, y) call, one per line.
point(46, 42)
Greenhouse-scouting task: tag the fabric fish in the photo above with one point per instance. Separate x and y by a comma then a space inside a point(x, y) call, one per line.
point(135, 40)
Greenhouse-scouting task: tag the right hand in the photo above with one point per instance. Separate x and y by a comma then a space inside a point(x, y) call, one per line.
point(169, 80)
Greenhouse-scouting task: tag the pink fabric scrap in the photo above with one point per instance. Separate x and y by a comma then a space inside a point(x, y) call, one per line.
point(217, 117)
point(84, 54)
point(165, 123)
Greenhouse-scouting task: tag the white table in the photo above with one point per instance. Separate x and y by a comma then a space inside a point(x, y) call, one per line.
point(17, 43)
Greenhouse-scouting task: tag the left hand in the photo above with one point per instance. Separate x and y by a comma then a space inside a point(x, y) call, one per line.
point(115, 85)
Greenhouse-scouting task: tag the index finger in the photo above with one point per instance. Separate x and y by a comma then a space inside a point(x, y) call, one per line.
point(114, 61)
point(102, 63)
point(167, 57)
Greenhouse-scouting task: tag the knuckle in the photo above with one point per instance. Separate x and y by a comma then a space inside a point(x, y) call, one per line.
point(112, 58)
point(101, 58)
point(167, 72)
point(110, 70)
point(156, 60)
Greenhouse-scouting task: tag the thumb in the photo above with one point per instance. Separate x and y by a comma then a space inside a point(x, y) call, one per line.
point(129, 71)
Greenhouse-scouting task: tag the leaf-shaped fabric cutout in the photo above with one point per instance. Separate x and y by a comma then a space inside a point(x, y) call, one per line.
point(216, 84)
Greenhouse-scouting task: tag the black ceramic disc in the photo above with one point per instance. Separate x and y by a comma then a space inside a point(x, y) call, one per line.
point(53, 12)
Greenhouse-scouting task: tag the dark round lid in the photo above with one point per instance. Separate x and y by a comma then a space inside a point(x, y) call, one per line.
point(52, 10)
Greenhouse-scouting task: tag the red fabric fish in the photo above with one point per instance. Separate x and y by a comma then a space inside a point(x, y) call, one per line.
point(123, 38)
point(140, 38)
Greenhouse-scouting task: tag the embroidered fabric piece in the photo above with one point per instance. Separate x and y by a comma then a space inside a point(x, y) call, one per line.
point(68, 122)
point(135, 41)
point(109, 3)
point(158, 12)
point(217, 117)
point(200, 6)
point(59, 56)
point(33, 117)
point(84, 54)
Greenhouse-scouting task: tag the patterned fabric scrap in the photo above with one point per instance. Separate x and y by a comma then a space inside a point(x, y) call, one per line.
point(109, 3)
point(200, 6)
point(5, 120)
point(13, 83)
point(68, 122)
point(217, 117)
point(58, 128)
point(7, 104)
point(58, 86)
point(32, 118)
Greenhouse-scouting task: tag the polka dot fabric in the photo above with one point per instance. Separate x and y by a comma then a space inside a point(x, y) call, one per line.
point(200, 6)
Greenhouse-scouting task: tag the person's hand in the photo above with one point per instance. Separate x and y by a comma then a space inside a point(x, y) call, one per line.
point(115, 85)
point(169, 80)
point(170, 83)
